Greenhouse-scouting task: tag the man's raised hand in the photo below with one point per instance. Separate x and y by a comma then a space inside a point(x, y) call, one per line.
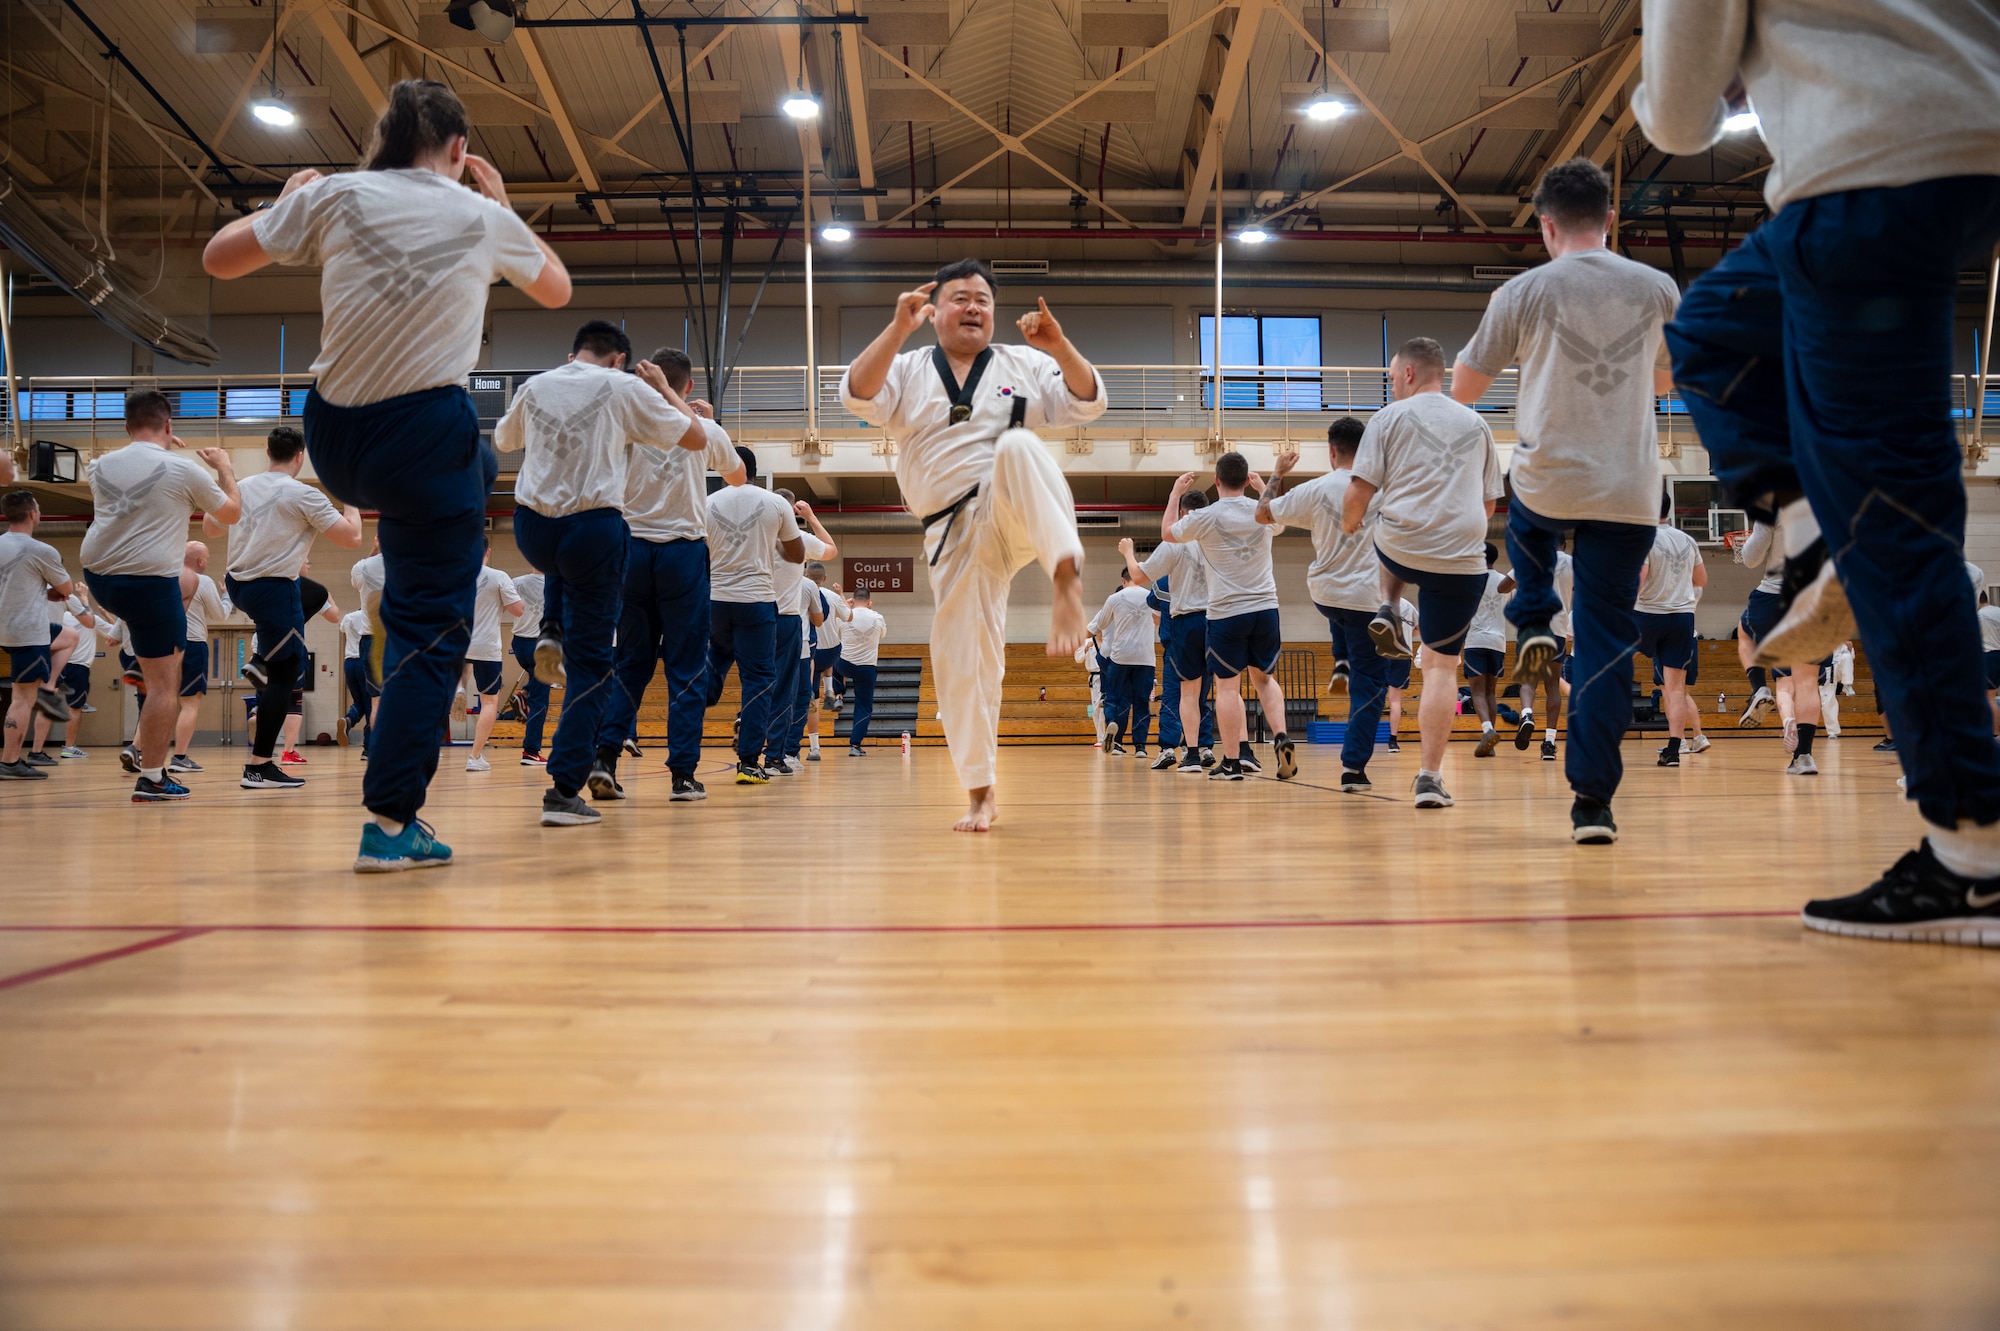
point(914, 309)
point(1040, 328)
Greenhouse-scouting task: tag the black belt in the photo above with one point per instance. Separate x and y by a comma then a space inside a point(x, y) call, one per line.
point(948, 516)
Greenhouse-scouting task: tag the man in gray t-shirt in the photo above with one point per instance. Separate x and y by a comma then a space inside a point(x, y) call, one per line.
point(1585, 329)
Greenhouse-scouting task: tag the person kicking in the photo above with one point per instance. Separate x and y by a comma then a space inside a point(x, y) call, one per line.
point(1243, 628)
point(1585, 328)
point(1486, 656)
point(32, 576)
point(991, 499)
point(1664, 613)
point(1128, 627)
point(578, 424)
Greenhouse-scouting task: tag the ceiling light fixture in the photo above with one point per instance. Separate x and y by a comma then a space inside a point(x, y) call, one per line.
point(801, 105)
point(836, 231)
point(1325, 107)
point(491, 19)
point(272, 110)
point(1738, 122)
point(1255, 235)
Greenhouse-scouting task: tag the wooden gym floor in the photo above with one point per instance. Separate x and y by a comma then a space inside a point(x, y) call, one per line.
point(1156, 1053)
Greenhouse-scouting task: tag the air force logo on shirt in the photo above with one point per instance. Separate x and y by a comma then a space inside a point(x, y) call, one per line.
point(114, 501)
point(1604, 375)
point(1443, 452)
point(403, 275)
point(564, 435)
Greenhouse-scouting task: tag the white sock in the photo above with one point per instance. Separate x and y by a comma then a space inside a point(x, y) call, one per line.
point(153, 774)
point(1968, 849)
point(814, 740)
point(1801, 528)
point(1421, 771)
point(1485, 726)
point(1549, 734)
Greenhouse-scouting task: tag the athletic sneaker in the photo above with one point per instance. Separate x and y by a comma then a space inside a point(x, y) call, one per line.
point(1489, 740)
point(749, 774)
point(856, 751)
point(135, 677)
point(1247, 760)
point(36, 758)
point(1887, 745)
point(533, 760)
point(415, 847)
point(1817, 617)
point(1761, 703)
point(1791, 736)
point(549, 658)
point(560, 810)
point(1355, 783)
point(1166, 761)
point(87, 709)
point(1227, 770)
point(1340, 677)
point(180, 762)
point(1430, 792)
point(1386, 632)
point(340, 731)
point(458, 708)
point(1536, 648)
point(1288, 758)
point(632, 747)
point(51, 703)
point(267, 775)
point(1802, 765)
point(71, 751)
point(149, 791)
point(1207, 758)
point(253, 670)
point(292, 758)
point(1590, 823)
point(1140, 753)
point(790, 766)
point(1394, 745)
point(1190, 764)
point(128, 758)
point(478, 765)
point(813, 756)
point(19, 770)
point(687, 788)
point(1918, 900)
point(603, 783)
point(1670, 755)
point(1699, 744)
point(1114, 750)
point(1524, 734)
point(1548, 750)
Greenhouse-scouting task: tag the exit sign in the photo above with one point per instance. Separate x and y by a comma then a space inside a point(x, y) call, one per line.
point(878, 575)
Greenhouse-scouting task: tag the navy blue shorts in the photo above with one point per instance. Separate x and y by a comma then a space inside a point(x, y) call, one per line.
point(486, 676)
point(1760, 616)
point(825, 659)
point(1249, 641)
point(1446, 603)
point(1667, 639)
point(1993, 670)
point(31, 663)
point(273, 605)
point(1397, 673)
point(1485, 661)
point(194, 667)
point(151, 608)
point(1187, 649)
point(76, 684)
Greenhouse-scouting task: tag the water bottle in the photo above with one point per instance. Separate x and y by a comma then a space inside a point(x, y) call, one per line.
point(1722, 702)
point(1045, 693)
point(906, 743)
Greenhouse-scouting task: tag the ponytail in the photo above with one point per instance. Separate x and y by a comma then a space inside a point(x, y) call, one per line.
point(422, 118)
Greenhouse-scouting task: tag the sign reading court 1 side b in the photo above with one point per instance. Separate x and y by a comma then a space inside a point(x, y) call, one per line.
point(878, 575)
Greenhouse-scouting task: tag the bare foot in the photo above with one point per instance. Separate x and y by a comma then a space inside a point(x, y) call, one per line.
point(982, 813)
point(1066, 618)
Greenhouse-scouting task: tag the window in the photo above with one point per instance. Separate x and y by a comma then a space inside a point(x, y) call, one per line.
point(1269, 342)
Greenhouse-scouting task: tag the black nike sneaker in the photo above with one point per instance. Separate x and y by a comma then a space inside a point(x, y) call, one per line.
point(1917, 901)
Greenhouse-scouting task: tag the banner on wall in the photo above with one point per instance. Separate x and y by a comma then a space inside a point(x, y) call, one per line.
point(878, 574)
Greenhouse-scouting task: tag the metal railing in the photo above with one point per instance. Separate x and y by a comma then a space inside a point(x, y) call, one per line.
point(1258, 402)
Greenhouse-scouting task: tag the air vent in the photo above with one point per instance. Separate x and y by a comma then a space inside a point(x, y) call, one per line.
point(1487, 272)
point(1097, 519)
point(1020, 267)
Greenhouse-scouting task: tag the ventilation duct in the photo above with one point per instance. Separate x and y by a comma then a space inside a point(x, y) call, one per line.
point(63, 252)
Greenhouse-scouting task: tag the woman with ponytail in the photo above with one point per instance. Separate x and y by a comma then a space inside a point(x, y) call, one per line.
point(406, 256)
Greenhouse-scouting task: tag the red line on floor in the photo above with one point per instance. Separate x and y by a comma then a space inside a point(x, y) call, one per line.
point(98, 958)
point(703, 930)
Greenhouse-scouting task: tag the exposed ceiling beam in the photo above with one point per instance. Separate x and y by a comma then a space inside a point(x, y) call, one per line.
point(857, 114)
point(1611, 81)
point(363, 78)
point(645, 113)
point(558, 111)
point(1210, 125)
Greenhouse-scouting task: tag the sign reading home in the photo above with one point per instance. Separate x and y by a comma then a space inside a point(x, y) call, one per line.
point(878, 575)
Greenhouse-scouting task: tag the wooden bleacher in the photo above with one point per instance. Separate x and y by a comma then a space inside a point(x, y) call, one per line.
point(1043, 700)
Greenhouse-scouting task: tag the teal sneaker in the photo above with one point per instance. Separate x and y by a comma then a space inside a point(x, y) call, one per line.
point(415, 847)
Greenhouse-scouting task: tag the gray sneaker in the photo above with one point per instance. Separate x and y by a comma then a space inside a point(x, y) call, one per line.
point(180, 762)
point(560, 810)
point(1430, 793)
point(21, 771)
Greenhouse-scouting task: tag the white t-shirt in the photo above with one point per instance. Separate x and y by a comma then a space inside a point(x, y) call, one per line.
point(1434, 463)
point(788, 580)
point(1976, 575)
point(143, 496)
point(1237, 549)
point(665, 488)
point(530, 586)
point(745, 524)
point(367, 576)
point(1668, 588)
point(496, 592)
point(1565, 580)
point(208, 604)
point(1345, 574)
point(353, 628)
point(1989, 626)
point(85, 650)
point(28, 569)
point(833, 610)
point(1765, 548)
point(1585, 330)
point(1126, 626)
point(579, 423)
point(861, 636)
point(1186, 574)
point(281, 515)
point(405, 260)
point(938, 463)
point(1489, 621)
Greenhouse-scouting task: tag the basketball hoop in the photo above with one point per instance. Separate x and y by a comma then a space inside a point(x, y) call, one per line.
point(1735, 539)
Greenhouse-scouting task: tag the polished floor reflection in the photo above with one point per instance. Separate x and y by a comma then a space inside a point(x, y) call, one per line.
point(1158, 1052)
